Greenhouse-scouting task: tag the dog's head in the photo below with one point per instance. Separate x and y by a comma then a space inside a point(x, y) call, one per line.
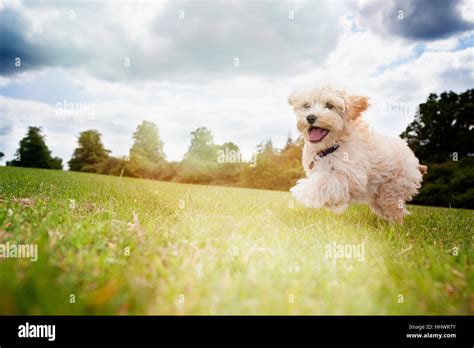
point(326, 114)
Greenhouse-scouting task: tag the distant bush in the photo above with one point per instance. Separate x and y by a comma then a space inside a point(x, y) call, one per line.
point(448, 184)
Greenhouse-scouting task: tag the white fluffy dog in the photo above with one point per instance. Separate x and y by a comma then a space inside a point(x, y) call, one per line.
point(347, 162)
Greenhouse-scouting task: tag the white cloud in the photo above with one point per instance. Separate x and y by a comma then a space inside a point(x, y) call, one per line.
point(268, 38)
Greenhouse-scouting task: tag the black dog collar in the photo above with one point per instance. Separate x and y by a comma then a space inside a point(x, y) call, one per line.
point(322, 154)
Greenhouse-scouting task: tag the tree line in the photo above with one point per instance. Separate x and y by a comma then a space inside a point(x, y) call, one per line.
point(204, 162)
point(440, 135)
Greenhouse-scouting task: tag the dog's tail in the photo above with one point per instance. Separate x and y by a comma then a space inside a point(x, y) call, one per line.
point(423, 169)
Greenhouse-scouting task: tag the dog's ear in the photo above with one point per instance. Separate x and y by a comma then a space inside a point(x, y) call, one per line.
point(293, 99)
point(355, 105)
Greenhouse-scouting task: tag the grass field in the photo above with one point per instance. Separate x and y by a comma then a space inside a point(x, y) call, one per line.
point(109, 245)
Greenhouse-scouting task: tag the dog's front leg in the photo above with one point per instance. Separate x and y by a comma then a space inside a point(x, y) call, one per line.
point(323, 190)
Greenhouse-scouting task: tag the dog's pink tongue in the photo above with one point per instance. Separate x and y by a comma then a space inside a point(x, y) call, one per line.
point(316, 134)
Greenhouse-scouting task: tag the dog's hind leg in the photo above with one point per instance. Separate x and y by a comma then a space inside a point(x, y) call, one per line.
point(388, 204)
point(375, 207)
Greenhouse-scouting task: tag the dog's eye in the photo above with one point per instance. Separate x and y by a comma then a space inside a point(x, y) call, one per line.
point(306, 106)
point(329, 106)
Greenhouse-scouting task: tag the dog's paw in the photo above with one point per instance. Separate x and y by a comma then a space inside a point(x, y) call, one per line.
point(338, 209)
point(322, 190)
point(305, 193)
point(298, 192)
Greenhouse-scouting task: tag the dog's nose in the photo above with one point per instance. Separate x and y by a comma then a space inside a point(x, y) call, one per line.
point(311, 119)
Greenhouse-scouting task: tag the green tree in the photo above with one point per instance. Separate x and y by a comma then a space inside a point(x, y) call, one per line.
point(443, 126)
point(34, 153)
point(228, 153)
point(441, 136)
point(274, 169)
point(229, 159)
point(147, 159)
point(200, 162)
point(1, 156)
point(90, 153)
point(266, 148)
point(290, 162)
point(230, 146)
point(202, 146)
point(266, 173)
point(147, 143)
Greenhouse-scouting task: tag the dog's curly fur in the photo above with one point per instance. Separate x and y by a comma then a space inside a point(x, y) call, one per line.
point(367, 167)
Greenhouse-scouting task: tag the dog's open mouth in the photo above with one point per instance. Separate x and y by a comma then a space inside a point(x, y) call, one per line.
point(317, 134)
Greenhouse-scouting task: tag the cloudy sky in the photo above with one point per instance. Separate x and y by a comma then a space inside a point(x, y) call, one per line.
point(69, 66)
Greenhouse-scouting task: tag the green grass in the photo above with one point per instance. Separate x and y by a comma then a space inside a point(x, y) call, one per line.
point(227, 250)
